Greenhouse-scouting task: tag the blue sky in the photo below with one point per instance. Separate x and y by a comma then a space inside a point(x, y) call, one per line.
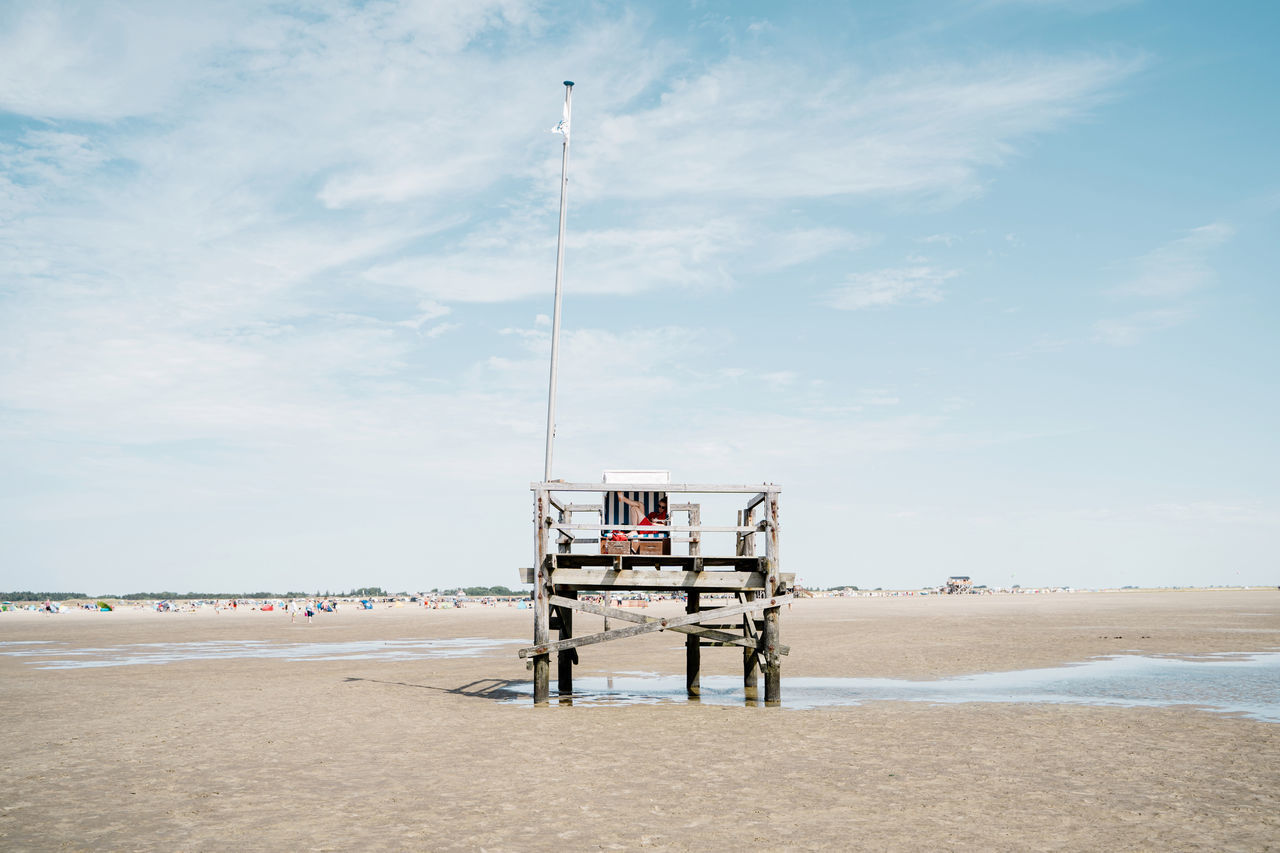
point(987, 287)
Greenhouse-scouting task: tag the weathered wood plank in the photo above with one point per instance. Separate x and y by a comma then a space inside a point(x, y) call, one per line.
point(632, 561)
point(639, 580)
point(678, 528)
point(585, 579)
point(704, 488)
point(721, 637)
point(750, 656)
point(657, 625)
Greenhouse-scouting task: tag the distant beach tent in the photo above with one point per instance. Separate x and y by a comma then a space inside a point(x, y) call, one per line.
point(103, 606)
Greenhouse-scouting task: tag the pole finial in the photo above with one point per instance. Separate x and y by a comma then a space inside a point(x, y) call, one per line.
point(569, 83)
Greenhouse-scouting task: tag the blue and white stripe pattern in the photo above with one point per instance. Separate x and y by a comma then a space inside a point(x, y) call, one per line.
point(616, 512)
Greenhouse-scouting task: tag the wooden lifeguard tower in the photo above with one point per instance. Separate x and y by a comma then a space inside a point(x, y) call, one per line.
point(755, 583)
point(750, 588)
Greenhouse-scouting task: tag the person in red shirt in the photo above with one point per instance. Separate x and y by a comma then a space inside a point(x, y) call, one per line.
point(640, 518)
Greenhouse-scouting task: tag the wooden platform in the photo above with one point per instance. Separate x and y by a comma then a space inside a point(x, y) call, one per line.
point(638, 561)
point(629, 580)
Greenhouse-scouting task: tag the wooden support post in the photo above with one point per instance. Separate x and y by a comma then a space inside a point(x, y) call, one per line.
point(772, 632)
point(750, 657)
point(773, 662)
point(566, 658)
point(541, 593)
point(607, 601)
point(692, 650)
point(692, 642)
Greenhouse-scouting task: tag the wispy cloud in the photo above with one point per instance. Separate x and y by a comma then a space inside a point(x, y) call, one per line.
point(1178, 267)
point(103, 61)
point(925, 132)
point(890, 286)
point(1162, 280)
point(513, 261)
point(430, 311)
point(255, 254)
point(1133, 328)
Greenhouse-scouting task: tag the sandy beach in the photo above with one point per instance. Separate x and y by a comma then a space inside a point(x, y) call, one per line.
point(360, 753)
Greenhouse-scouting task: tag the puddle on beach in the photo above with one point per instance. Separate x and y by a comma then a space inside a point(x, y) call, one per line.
point(1247, 684)
point(45, 655)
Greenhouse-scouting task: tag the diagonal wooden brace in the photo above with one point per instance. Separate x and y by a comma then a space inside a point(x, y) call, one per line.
point(661, 625)
point(751, 642)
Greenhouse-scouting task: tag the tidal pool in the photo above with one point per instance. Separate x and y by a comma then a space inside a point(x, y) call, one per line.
point(63, 656)
point(1245, 684)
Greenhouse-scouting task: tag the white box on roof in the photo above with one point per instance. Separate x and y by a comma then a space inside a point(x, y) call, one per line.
point(638, 476)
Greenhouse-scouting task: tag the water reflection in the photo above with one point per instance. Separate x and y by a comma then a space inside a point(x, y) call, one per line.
point(60, 656)
point(1241, 684)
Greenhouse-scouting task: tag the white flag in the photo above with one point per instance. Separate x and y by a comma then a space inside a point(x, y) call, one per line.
point(563, 126)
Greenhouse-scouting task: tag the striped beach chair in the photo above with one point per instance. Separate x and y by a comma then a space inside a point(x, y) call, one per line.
point(614, 511)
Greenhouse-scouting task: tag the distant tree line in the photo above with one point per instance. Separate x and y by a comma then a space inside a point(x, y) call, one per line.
point(479, 591)
point(27, 595)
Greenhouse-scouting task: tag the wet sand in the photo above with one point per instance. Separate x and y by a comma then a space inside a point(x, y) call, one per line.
point(266, 753)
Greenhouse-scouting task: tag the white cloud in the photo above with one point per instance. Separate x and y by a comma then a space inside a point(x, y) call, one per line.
point(800, 245)
point(1179, 267)
point(508, 263)
point(1164, 278)
point(890, 286)
point(430, 311)
point(442, 328)
point(779, 378)
point(103, 61)
point(232, 255)
point(1131, 329)
point(733, 131)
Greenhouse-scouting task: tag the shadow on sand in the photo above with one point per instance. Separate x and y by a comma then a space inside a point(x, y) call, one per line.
point(499, 689)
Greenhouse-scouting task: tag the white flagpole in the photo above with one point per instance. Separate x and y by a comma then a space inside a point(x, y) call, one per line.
point(555, 319)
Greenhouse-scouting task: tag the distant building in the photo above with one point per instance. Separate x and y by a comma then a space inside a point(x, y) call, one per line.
point(958, 584)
